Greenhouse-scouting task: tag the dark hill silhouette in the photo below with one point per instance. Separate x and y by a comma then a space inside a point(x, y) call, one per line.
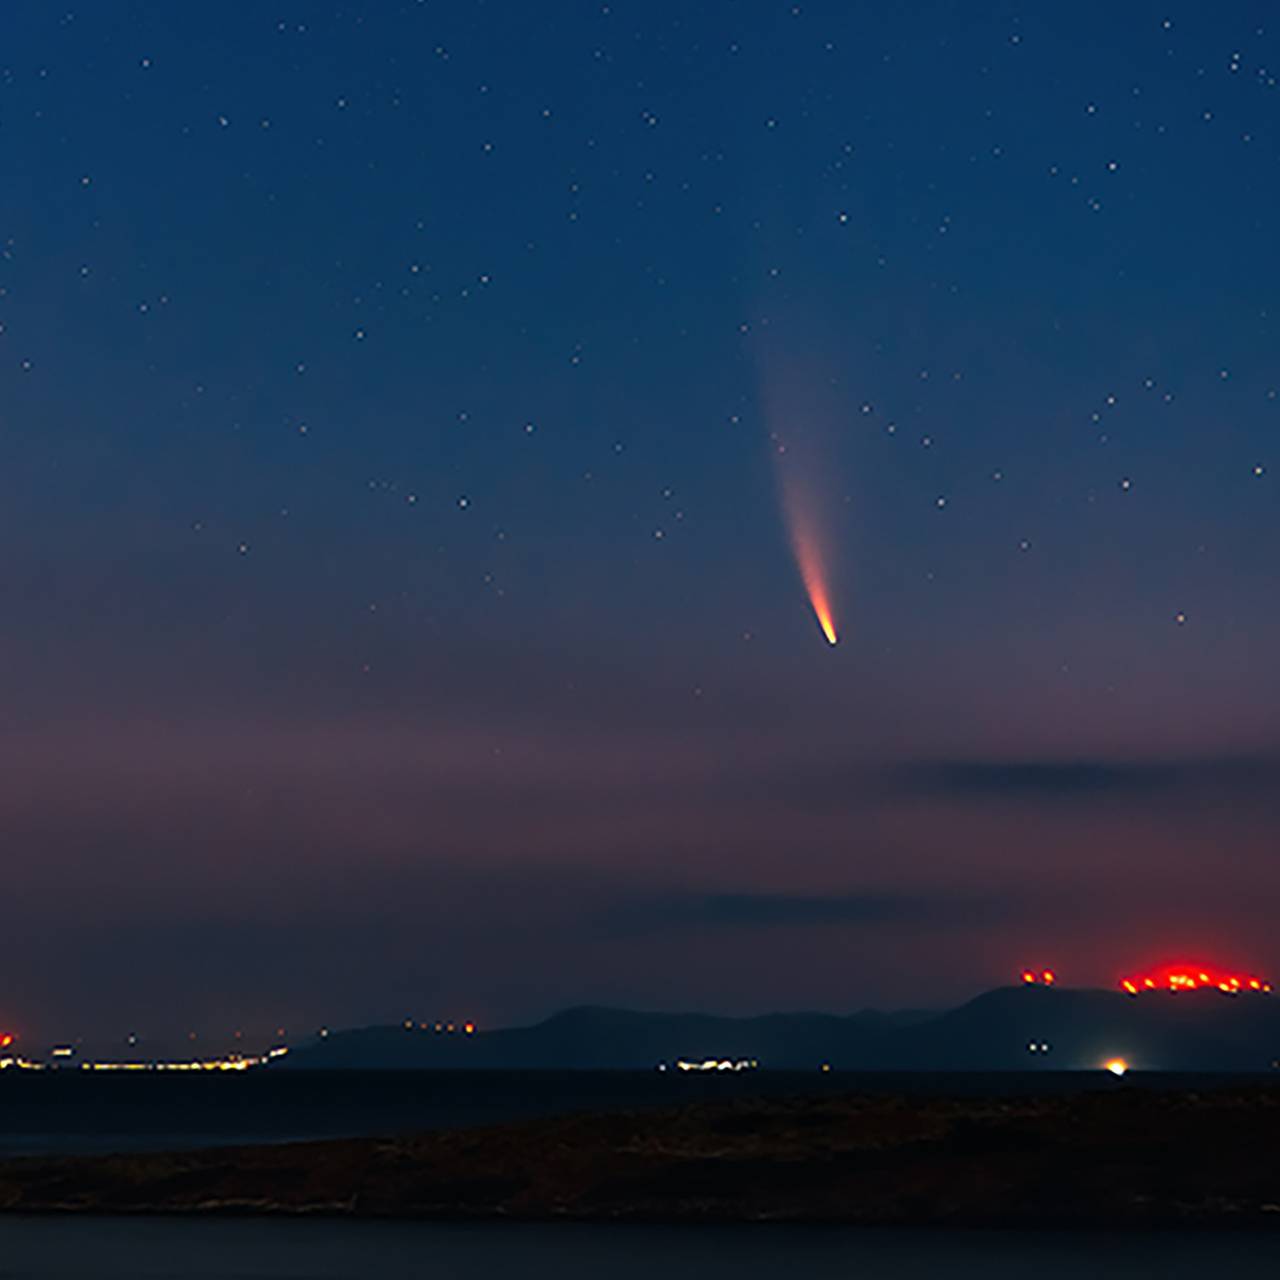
point(1186, 1031)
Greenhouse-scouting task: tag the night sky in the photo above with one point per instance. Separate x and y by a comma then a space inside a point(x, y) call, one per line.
point(408, 413)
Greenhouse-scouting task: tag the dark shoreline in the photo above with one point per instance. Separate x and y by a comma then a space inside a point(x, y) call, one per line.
point(80, 1113)
point(1125, 1158)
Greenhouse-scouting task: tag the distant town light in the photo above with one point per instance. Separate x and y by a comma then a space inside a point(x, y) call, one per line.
point(233, 1062)
point(1117, 1066)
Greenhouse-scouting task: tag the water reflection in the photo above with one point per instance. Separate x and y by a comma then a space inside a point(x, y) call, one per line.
point(244, 1249)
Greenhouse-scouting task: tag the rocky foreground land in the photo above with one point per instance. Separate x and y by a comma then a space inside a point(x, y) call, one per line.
point(1122, 1158)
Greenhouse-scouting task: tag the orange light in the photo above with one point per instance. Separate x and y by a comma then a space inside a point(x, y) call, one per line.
point(1189, 978)
point(6, 1040)
point(469, 1028)
point(1028, 977)
point(1117, 1066)
point(1049, 977)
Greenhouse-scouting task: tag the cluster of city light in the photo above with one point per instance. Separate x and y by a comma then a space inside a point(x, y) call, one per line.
point(713, 1064)
point(236, 1062)
point(63, 1054)
point(1194, 978)
point(440, 1028)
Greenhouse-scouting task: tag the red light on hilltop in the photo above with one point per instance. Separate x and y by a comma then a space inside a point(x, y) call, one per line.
point(1194, 977)
point(6, 1040)
point(1039, 977)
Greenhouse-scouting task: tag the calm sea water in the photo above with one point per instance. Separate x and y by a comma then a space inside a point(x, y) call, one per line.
point(116, 1249)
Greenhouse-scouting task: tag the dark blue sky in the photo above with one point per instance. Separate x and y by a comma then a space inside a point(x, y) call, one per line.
point(401, 615)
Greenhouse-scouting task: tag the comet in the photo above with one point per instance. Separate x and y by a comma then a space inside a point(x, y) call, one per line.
point(804, 449)
point(806, 546)
point(813, 575)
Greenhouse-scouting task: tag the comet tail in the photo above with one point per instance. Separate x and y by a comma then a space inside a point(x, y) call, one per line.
point(809, 559)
